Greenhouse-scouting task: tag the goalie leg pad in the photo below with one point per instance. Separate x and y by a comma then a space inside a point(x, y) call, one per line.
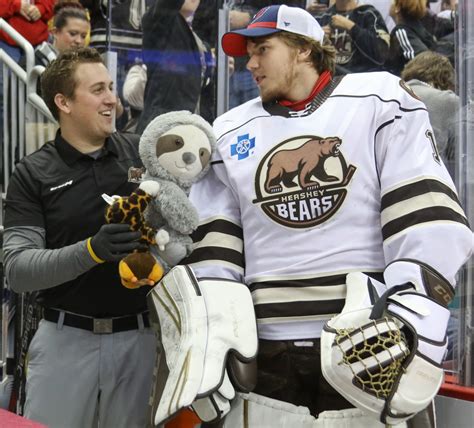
point(178, 315)
point(257, 411)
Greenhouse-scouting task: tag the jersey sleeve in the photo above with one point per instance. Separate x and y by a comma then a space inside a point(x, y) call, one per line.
point(218, 241)
point(421, 215)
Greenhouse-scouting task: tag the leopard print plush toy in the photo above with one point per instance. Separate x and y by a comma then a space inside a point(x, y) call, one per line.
point(139, 268)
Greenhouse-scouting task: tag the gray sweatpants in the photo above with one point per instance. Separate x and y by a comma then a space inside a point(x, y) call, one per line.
point(76, 378)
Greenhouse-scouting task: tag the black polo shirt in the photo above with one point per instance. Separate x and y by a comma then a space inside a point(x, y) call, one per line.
point(59, 189)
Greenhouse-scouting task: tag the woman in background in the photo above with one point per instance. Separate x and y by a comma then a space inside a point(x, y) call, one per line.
point(409, 37)
point(70, 29)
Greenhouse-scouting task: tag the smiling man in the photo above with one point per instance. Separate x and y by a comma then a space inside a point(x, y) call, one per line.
point(92, 355)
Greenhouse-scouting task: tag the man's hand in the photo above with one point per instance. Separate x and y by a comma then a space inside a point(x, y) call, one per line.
point(238, 19)
point(339, 21)
point(114, 241)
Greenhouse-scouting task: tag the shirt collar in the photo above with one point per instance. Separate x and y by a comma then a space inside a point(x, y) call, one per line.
point(71, 155)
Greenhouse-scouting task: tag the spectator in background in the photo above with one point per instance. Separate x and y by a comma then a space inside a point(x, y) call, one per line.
point(359, 34)
point(383, 6)
point(179, 65)
point(317, 7)
point(70, 28)
point(439, 24)
point(133, 93)
point(409, 37)
point(431, 76)
point(242, 86)
point(30, 20)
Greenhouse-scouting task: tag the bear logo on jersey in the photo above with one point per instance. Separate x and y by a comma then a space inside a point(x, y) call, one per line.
point(302, 162)
point(302, 181)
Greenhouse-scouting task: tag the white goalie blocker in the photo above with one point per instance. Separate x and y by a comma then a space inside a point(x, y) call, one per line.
point(201, 325)
point(383, 353)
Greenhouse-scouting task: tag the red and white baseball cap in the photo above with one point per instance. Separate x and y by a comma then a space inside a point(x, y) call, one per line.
point(270, 20)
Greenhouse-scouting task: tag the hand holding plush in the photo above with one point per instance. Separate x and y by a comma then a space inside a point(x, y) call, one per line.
point(140, 267)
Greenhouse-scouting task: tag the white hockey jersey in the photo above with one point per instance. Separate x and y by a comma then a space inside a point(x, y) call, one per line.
point(296, 200)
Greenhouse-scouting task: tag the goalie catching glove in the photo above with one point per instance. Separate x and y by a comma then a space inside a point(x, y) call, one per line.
point(383, 352)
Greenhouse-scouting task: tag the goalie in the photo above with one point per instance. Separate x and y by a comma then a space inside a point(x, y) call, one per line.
point(319, 178)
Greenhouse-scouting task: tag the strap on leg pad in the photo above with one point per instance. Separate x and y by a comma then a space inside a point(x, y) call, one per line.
point(217, 405)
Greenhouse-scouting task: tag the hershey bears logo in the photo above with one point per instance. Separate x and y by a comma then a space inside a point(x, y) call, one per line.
point(302, 181)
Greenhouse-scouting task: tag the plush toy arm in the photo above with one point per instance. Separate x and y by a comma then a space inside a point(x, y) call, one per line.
point(151, 187)
point(162, 238)
point(176, 209)
point(177, 247)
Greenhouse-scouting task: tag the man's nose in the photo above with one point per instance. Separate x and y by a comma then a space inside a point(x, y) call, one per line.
point(252, 63)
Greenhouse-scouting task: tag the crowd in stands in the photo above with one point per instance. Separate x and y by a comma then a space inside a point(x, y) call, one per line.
point(166, 49)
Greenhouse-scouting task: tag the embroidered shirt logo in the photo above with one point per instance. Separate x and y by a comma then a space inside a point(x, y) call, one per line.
point(67, 183)
point(244, 147)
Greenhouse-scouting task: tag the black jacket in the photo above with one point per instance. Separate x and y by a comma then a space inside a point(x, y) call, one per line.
point(365, 47)
point(407, 40)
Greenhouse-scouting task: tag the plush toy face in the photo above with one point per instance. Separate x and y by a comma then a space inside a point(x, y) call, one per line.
point(184, 151)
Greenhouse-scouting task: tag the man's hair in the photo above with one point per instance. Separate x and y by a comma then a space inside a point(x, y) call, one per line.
point(323, 57)
point(59, 76)
point(414, 9)
point(430, 67)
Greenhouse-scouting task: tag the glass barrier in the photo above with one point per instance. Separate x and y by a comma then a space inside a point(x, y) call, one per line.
point(165, 56)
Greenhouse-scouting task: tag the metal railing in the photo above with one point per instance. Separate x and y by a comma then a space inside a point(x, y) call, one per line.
point(27, 121)
point(27, 125)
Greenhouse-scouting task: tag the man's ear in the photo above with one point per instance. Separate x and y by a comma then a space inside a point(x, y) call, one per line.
point(304, 54)
point(62, 103)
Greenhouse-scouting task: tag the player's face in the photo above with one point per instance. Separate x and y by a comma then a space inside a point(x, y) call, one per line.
point(274, 68)
point(91, 110)
point(72, 35)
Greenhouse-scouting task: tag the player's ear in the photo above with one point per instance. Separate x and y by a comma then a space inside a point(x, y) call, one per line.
point(304, 53)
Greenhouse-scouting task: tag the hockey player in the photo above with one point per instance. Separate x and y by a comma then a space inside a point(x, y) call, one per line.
point(317, 178)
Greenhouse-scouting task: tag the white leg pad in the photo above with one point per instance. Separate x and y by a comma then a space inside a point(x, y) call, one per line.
point(176, 302)
point(256, 411)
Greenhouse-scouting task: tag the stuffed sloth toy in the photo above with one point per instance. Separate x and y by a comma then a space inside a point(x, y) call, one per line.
point(175, 149)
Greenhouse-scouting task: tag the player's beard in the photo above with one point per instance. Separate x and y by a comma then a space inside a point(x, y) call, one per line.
point(280, 86)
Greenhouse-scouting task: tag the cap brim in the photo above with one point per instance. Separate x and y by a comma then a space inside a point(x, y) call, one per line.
point(234, 43)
